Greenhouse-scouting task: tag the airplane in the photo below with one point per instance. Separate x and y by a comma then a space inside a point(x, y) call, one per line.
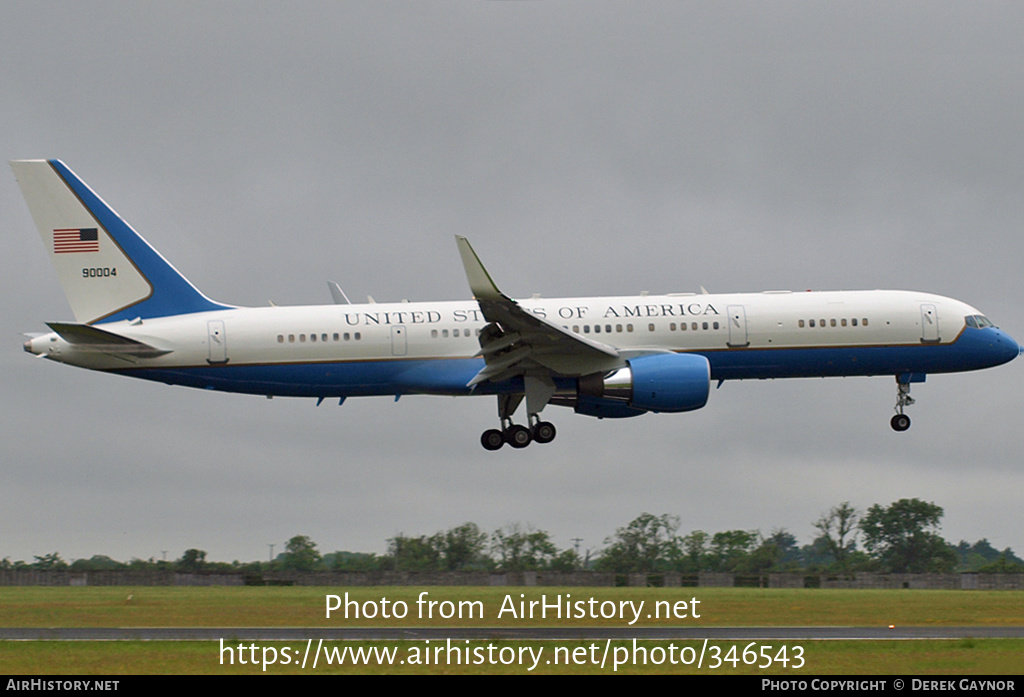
point(607, 357)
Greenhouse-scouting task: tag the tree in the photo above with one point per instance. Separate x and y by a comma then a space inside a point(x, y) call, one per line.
point(982, 555)
point(1004, 564)
point(566, 560)
point(459, 548)
point(904, 537)
point(839, 531)
point(413, 553)
point(351, 561)
point(463, 547)
point(693, 552)
point(97, 562)
point(49, 562)
point(779, 552)
point(524, 550)
point(300, 554)
point(729, 549)
point(646, 544)
point(192, 560)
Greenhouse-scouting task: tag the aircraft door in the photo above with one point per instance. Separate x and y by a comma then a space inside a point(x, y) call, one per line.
point(737, 326)
point(929, 324)
point(217, 341)
point(398, 340)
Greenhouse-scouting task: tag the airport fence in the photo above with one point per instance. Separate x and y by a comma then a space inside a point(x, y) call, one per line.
point(963, 581)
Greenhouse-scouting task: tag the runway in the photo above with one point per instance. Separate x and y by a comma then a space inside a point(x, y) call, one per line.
point(506, 633)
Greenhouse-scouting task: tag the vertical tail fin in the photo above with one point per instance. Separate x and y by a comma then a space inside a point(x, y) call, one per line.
point(108, 271)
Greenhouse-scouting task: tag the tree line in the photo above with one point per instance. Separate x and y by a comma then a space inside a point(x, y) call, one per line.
point(900, 538)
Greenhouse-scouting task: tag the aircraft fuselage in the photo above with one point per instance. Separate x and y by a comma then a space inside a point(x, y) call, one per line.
point(136, 315)
point(430, 348)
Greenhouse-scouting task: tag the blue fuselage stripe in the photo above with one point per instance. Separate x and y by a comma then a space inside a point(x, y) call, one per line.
point(974, 349)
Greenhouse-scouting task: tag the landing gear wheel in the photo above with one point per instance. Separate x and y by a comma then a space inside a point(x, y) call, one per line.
point(900, 422)
point(544, 432)
point(518, 436)
point(492, 439)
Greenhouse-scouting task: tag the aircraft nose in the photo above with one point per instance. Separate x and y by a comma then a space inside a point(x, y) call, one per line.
point(1005, 347)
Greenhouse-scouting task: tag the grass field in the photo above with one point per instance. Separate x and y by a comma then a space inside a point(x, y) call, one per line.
point(917, 658)
point(161, 606)
point(305, 607)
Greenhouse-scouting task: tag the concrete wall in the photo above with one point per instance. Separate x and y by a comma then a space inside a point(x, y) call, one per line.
point(967, 581)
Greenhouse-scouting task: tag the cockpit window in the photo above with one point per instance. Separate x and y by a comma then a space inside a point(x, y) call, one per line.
point(978, 321)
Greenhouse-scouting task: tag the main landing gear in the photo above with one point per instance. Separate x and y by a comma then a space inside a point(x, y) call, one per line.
point(901, 422)
point(516, 435)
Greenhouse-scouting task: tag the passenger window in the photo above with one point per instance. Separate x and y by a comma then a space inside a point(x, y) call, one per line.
point(302, 338)
point(800, 323)
point(291, 338)
point(336, 336)
point(433, 333)
point(280, 338)
point(705, 325)
point(843, 321)
point(629, 327)
point(864, 321)
point(812, 322)
point(853, 321)
point(831, 323)
point(618, 328)
point(650, 327)
point(716, 325)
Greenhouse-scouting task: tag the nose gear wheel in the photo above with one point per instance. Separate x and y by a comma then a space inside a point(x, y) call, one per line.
point(901, 422)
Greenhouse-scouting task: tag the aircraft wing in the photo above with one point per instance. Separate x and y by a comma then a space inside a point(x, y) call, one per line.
point(518, 342)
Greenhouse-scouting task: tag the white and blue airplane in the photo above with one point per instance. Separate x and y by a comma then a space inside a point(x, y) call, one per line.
point(608, 357)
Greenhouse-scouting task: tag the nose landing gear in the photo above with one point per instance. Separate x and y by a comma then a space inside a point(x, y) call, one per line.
point(901, 422)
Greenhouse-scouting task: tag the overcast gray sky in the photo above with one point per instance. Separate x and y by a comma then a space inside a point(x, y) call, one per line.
point(586, 148)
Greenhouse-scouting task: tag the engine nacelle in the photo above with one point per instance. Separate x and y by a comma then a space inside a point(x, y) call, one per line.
point(660, 382)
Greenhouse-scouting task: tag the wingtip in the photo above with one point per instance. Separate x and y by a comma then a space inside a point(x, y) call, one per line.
point(480, 282)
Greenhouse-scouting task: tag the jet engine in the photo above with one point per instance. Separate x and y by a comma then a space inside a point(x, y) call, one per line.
point(668, 382)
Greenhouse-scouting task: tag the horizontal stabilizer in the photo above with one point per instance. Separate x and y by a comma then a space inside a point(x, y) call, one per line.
point(85, 337)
